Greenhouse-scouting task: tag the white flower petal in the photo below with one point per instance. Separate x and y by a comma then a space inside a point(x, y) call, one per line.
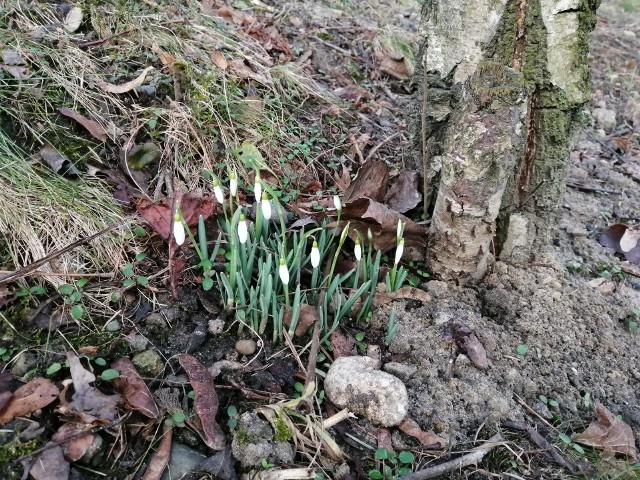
point(217, 191)
point(233, 186)
point(399, 230)
point(283, 271)
point(257, 190)
point(399, 251)
point(243, 231)
point(266, 207)
point(178, 232)
point(315, 255)
point(337, 203)
point(358, 251)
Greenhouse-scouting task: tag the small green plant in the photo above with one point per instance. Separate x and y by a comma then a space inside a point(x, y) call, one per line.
point(35, 290)
point(392, 327)
point(566, 439)
point(360, 345)
point(6, 353)
point(129, 272)
point(266, 465)
point(521, 351)
point(610, 272)
point(633, 324)
point(391, 465)
point(232, 412)
point(176, 419)
point(72, 296)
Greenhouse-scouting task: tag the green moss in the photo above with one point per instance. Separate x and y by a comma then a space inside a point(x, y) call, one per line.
point(15, 448)
point(282, 432)
point(243, 437)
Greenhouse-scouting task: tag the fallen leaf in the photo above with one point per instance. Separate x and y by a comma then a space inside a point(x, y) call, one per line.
point(467, 341)
point(50, 464)
point(240, 67)
point(365, 214)
point(613, 238)
point(232, 15)
point(383, 437)
point(160, 458)
point(5, 393)
point(219, 60)
point(78, 443)
point(90, 403)
point(134, 391)
point(392, 59)
point(142, 155)
point(629, 239)
point(17, 71)
point(11, 57)
point(427, 439)
point(73, 20)
point(370, 182)
point(343, 345)
point(609, 433)
point(206, 401)
point(308, 317)
point(403, 194)
point(34, 395)
point(125, 87)
point(57, 161)
point(343, 181)
point(93, 127)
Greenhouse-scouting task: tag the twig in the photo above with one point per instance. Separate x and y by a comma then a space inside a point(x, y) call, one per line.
point(100, 41)
point(377, 147)
point(588, 189)
point(471, 458)
point(335, 47)
point(534, 413)
point(605, 145)
point(61, 274)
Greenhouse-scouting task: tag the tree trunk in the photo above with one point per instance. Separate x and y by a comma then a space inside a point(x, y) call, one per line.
point(501, 83)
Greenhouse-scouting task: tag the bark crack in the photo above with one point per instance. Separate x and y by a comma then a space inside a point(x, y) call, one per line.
point(526, 167)
point(518, 51)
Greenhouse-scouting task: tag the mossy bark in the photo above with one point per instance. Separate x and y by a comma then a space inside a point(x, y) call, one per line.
point(497, 192)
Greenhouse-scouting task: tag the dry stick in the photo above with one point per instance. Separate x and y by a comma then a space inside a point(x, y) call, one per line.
point(588, 189)
point(377, 147)
point(100, 41)
point(471, 458)
point(423, 138)
point(46, 259)
point(53, 274)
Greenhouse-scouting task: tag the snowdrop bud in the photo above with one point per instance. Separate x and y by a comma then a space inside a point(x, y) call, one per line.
point(217, 191)
point(358, 250)
point(399, 250)
point(337, 203)
point(257, 187)
point(266, 206)
point(243, 231)
point(369, 235)
point(178, 229)
point(283, 271)
point(315, 255)
point(233, 183)
point(399, 231)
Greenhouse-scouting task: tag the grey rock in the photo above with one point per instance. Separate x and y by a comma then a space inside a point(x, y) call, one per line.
point(605, 118)
point(216, 326)
point(155, 320)
point(182, 461)
point(220, 465)
point(137, 342)
point(353, 383)
point(148, 363)
point(113, 326)
point(24, 362)
point(401, 370)
point(253, 440)
point(246, 347)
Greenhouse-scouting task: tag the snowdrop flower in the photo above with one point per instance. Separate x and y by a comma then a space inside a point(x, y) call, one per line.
point(233, 183)
point(369, 235)
point(400, 230)
point(178, 228)
point(266, 206)
point(358, 250)
point(315, 255)
point(257, 187)
point(243, 231)
point(337, 203)
point(399, 251)
point(283, 271)
point(217, 190)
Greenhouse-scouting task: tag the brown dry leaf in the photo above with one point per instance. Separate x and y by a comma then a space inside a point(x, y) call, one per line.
point(343, 345)
point(219, 60)
point(125, 87)
point(610, 238)
point(134, 391)
point(370, 182)
point(17, 71)
point(75, 448)
point(240, 68)
point(467, 341)
point(408, 293)
point(34, 395)
point(365, 213)
point(5, 393)
point(166, 58)
point(308, 317)
point(206, 401)
point(232, 15)
point(87, 401)
point(411, 427)
point(343, 181)
point(613, 238)
point(160, 458)
point(270, 39)
point(51, 465)
point(392, 60)
point(93, 127)
point(629, 239)
point(403, 195)
point(609, 433)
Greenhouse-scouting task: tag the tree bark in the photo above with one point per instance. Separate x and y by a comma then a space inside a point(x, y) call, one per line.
point(501, 84)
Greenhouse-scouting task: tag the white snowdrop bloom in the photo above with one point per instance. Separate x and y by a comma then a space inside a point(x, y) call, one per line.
point(315, 255)
point(233, 183)
point(257, 188)
point(178, 229)
point(243, 231)
point(217, 191)
point(266, 206)
point(358, 250)
point(399, 251)
point(283, 271)
point(399, 230)
point(337, 203)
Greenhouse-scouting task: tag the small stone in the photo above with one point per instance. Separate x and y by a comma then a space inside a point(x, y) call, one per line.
point(353, 383)
point(605, 118)
point(24, 362)
point(155, 319)
point(182, 461)
point(401, 370)
point(216, 326)
point(113, 326)
point(148, 363)
point(607, 288)
point(246, 347)
point(253, 441)
point(136, 341)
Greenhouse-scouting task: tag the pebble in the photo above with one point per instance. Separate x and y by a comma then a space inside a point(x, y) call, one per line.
point(246, 347)
point(216, 326)
point(401, 370)
point(148, 363)
point(113, 326)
